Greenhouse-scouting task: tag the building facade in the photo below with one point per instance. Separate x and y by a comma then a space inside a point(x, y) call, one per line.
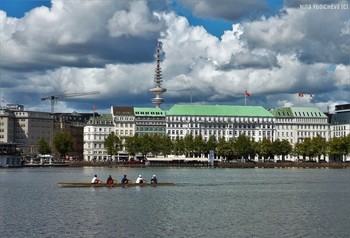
point(96, 131)
point(149, 121)
point(340, 121)
point(229, 122)
point(294, 124)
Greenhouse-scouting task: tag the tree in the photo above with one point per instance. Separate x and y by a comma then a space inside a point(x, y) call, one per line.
point(166, 145)
point(282, 148)
point(130, 145)
point(309, 150)
point(198, 146)
point(243, 146)
point(145, 144)
point(210, 145)
point(179, 146)
point(188, 142)
point(224, 148)
point(63, 142)
point(44, 147)
point(320, 146)
point(264, 148)
point(339, 147)
point(112, 144)
point(300, 150)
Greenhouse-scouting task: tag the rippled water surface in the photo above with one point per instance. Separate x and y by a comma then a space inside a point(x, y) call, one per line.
point(204, 203)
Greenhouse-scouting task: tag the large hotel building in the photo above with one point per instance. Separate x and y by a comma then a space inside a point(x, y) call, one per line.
point(286, 123)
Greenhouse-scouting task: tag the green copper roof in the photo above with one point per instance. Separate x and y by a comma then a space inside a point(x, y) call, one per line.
point(102, 119)
point(298, 112)
point(218, 110)
point(148, 112)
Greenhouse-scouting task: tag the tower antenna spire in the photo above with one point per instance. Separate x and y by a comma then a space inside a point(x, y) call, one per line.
point(158, 79)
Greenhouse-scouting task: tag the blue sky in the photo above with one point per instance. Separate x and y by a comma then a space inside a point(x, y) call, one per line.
point(17, 8)
point(216, 49)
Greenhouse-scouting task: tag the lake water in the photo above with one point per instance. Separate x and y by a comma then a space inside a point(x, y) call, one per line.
point(205, 202)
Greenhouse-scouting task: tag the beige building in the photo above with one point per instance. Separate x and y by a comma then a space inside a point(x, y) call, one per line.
point(25, 128)
point(7, 122)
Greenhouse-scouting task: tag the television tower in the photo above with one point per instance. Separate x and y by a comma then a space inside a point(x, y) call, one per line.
point(158, 90)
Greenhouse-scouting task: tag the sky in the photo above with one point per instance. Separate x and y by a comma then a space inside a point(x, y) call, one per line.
point(211, 52)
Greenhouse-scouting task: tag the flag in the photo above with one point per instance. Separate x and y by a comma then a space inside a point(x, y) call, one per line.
point(246, 93)
point(300, 95)
point(94, 107)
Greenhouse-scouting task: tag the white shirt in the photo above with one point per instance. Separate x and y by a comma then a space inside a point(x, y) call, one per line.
point(94, 180)
point(138, 180)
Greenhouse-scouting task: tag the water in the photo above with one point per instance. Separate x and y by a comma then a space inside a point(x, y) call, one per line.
point(203, 203)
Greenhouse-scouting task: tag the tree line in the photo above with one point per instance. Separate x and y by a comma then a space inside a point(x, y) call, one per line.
point(241, 148)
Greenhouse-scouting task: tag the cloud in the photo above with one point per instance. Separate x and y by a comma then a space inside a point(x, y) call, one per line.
point(249, 60)
point(316, 36)
point(63, 35)
point(226, 9)
point(59, 50)
point(137, 21)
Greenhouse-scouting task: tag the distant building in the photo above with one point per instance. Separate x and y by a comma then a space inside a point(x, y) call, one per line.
point(25, 128)
point(30, 128)
point(340, 121)
point(7, 126)
point(96, 131)
point(149, 121)
point(220, 121)
point(9, 155)
point(72, 123)
point(297, 123)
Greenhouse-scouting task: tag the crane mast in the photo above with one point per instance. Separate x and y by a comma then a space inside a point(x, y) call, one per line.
point(54, 98)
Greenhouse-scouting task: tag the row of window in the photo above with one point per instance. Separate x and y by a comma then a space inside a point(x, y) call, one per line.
point(219, 119)
point(219, 126)
point(219, 133)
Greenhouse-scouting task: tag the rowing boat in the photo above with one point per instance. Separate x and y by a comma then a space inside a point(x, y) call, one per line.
point(98, 185)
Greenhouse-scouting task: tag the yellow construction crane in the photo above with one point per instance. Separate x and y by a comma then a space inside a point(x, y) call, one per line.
point(67, 95)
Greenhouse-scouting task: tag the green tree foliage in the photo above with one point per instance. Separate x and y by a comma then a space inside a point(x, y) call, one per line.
point(43, 147)
point(112, 144)
point(243, 146)
point(179, 146)
point(223, 149)
point(131, 145)
point(282, 148)
point(300, 150)
point(264, 149)
point(166, 145)
point(63, 142)
point(189, 145)
point(319, 146)
point(198, 146)
point(210, 145)
point(339, 147)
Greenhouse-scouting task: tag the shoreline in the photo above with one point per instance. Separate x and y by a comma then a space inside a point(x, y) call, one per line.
point(267, 165)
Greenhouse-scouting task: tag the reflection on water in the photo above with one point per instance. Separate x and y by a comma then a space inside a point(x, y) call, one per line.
point(204, 203)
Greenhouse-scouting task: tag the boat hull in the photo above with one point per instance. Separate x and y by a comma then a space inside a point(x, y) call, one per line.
point(101, 185)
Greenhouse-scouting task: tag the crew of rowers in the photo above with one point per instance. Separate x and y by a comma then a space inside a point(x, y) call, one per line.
point(124, 180)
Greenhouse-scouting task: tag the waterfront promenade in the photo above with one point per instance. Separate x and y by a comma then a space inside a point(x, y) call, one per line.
point(334, 165)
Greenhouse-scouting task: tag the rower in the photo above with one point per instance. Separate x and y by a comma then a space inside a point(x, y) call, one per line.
point(154, 179)
point(139, 179)
point(125, 180)
point(110, 180)
point(95, 179)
